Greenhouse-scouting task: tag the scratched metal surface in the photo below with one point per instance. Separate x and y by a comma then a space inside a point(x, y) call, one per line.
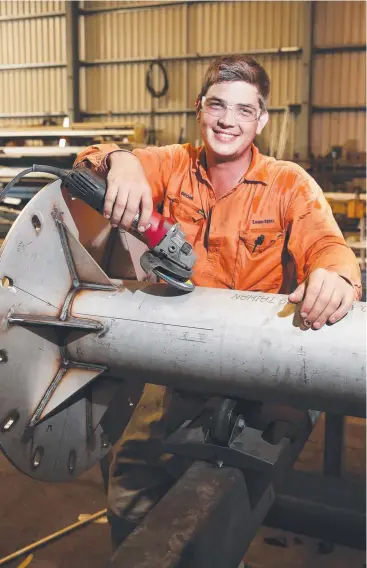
point(242, 344)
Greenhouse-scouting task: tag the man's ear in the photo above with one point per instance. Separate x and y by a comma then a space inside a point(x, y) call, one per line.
point(198, 114)
point(262, 122)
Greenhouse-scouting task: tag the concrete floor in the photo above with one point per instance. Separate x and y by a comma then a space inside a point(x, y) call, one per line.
point(31, 510)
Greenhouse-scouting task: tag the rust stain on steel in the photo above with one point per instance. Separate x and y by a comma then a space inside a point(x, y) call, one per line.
point(293, 309)
point(287, 310)
point(78, 292)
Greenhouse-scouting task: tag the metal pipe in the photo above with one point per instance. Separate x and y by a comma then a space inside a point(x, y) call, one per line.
point(333, 444)
point(21, 66)
point(26, 562)
point(52, 537)
point(17, 17)
point(141, 6)
point(331, 509)
point(64, 325)
point(222, 342)
point(12, 115)
point(339, 48)
point(165, 111)
point(304, 123)
point(72, 57)
point(293, 50)
point(60, 132)
point(339, 108)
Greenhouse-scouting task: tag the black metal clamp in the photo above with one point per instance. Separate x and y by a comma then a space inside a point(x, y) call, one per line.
point(239, 434)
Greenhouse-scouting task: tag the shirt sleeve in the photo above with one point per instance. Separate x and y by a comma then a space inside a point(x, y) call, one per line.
point(157, 163)
point(315, 240)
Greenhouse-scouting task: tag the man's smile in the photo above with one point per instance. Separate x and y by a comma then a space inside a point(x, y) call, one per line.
point(224, 136)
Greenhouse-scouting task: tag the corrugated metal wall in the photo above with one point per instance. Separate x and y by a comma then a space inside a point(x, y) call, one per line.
point(32, 60)
point(117, 46)
point(136, 36)
point(133, 37)
point(339, 79)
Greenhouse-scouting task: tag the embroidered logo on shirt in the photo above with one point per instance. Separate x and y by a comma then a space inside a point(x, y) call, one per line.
point(187, 195)
point(261, 221)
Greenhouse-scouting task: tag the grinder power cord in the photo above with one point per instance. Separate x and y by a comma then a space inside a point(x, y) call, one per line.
point(170, 256)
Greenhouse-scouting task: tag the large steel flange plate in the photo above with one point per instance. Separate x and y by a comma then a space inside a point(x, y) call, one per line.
point(50, 408)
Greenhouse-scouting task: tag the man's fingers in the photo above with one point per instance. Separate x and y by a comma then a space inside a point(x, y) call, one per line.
point(344, 307)
point(312, 292)
point(119, 207)
point(112, 190)
point(122, 204)
point(327, 298)
point(298, 294)
point(322, 300)
point(146, 210)
point(331, 307)
point(131, 209)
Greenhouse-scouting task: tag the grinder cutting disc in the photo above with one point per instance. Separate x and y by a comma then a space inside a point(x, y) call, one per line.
point(184, 285)
point(175, 277)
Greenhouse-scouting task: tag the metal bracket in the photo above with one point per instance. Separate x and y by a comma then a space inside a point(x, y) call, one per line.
point(210, 516)
point(247, 447)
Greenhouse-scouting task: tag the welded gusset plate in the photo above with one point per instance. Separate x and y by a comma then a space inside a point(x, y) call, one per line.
point(49, 416)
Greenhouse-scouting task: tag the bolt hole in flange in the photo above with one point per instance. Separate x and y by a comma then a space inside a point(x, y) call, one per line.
point(36, 222)
point(37, 457)
point(3, 356)
point(10, 420)
point(7, 282)
point(72, 461)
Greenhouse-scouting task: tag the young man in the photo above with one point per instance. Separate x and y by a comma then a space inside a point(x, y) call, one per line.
point(251, 219)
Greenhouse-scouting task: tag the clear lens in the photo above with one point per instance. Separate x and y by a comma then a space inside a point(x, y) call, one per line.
point(240, 113)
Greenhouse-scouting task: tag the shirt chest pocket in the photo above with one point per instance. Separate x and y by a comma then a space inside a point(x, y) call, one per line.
point(259, 261)
point(190, 217)
point(257, 243)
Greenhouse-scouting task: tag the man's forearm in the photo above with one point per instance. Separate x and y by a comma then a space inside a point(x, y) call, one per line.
point(96, 157)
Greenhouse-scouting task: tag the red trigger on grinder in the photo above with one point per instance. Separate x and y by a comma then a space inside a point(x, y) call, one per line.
point(170, 257)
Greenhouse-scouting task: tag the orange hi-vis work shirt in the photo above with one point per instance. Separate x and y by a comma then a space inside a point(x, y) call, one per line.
point(251, 237)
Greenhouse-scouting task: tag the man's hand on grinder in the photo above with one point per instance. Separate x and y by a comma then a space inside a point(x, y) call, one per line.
point(326, 296)
point(128, 192)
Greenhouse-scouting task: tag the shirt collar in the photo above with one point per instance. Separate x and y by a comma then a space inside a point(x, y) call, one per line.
point(199, 161)
point(257, 172)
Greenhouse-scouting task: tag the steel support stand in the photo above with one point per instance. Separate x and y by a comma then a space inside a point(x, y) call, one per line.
point(209, 518)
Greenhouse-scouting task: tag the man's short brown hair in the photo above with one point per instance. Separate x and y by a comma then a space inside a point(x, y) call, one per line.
point(229, 68)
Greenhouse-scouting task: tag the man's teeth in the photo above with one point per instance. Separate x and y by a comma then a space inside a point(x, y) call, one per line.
point(225, 135)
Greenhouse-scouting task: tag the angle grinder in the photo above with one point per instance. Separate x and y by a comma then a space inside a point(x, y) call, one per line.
point(170, 256)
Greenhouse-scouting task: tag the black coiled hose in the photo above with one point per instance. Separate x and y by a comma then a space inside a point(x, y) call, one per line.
point(149, 76)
